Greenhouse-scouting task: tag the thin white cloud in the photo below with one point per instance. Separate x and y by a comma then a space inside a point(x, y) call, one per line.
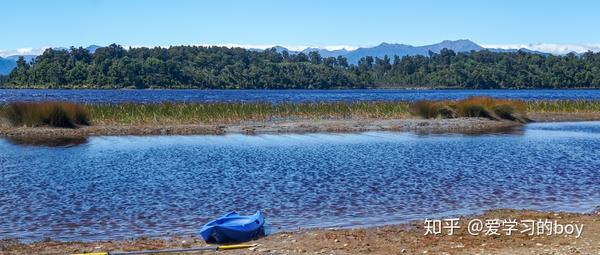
point(23, 51)
point(558, 49)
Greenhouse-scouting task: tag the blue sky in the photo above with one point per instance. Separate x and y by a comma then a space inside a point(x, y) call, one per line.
point(31, 24)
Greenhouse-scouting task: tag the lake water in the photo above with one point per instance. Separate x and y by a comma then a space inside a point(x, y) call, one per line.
point(122, 187)
point(278, 96)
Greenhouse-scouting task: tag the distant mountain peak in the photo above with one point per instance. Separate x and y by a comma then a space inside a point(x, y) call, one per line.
point(391, 49)
point(460, 42)
point(385, 44)
point(280, 49)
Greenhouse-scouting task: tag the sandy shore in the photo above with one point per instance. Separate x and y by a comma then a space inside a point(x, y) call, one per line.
point(392, 239)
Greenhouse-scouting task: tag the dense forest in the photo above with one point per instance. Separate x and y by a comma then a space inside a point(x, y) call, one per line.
point(222, 67)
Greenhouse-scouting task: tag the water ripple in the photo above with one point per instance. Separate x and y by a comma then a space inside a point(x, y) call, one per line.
point(278, 96)
point(119, 187)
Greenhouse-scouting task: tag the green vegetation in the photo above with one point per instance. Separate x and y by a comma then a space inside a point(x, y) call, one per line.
point(182, 113)
point(232, 68)
point(563, 106)
point(54, 114)
point(60, 114)
point(484, 107)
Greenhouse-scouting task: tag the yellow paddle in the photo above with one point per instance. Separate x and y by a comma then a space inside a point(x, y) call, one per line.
point(207, 248)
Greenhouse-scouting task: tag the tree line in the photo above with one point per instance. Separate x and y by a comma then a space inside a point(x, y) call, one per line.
point(236, 68)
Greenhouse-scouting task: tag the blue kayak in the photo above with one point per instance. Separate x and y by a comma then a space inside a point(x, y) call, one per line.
point(233, 227)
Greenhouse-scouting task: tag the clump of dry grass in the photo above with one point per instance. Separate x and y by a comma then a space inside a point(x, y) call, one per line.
point(484, 107)
point(53, 114)
point(426, 109)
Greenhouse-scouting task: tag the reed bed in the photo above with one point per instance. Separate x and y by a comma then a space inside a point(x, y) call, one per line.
point(61, 114)
point(182, 113)
point(563, 106)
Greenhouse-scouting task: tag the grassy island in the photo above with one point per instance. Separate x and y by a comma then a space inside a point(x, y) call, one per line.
point(476, 113)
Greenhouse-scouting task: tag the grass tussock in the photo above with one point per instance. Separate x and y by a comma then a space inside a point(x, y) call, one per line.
point(53, 114)
point(473, 107)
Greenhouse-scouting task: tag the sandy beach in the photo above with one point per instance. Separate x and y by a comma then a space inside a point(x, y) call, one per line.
point(407, 238)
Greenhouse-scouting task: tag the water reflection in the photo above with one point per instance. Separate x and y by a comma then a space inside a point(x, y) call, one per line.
point(47, 141)
point(512, 130)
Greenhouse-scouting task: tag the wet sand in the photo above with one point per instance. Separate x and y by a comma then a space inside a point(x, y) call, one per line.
point(407, 238)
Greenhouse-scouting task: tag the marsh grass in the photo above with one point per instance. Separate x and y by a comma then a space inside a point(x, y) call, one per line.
point(484, 107)
point(54, 114)
point(563, 106)
point(60, 114)
point(182, 113)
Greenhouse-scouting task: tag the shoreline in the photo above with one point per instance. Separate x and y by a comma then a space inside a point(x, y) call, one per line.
point(458, 125)
point(301, 125)
point(408, 238)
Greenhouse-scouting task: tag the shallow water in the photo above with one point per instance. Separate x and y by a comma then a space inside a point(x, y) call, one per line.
point(278, 96)
point(122, 187)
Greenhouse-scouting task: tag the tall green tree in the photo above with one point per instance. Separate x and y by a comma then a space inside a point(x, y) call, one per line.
point(220, 67)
